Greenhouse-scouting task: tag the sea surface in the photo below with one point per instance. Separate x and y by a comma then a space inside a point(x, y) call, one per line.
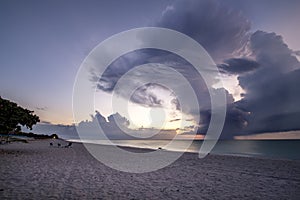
point(274, 149)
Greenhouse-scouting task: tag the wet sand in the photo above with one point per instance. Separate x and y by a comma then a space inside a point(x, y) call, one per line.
point(35, 170)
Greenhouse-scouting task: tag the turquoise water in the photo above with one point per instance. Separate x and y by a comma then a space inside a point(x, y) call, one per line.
point(275, 149)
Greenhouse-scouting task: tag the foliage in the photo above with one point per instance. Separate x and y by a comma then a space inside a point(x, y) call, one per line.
point(36, 136)
point(12, 116)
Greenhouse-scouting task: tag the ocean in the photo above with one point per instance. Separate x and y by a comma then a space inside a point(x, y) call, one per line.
point(274, 149)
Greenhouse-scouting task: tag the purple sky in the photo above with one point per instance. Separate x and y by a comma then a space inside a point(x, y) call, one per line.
point(44, 42)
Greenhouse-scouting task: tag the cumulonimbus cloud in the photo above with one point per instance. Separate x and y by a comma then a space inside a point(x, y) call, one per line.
point(272, 91)
point(267, 69)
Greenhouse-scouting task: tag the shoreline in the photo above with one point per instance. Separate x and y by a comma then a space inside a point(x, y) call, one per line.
point(249, 155)
point(35, 170)
point(143, 149)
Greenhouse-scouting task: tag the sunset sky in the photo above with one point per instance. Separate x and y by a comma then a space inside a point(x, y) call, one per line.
point(254, 43)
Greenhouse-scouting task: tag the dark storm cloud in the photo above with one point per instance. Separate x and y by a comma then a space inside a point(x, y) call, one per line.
point(272, 91)
point(113, 72)
point(222, 32)
point(144, 96)
point(238, 65)
point(123, 64)
point(235, 121)
point(219, 29)
point(266, 68)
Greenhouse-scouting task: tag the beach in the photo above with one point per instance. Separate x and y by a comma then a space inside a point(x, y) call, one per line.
point(36, 170)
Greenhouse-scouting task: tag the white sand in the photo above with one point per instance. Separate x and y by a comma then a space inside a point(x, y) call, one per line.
point(37, 171)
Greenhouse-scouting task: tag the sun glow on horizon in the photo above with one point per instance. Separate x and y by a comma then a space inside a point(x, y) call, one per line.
point(164, 117)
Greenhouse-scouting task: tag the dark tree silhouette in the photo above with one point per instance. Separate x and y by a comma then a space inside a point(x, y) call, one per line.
point(12, 117)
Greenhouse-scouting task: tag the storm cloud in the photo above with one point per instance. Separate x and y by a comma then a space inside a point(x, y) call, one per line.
point(220, 29)
point(272, 91)
point(267, 70)
point(238, 65)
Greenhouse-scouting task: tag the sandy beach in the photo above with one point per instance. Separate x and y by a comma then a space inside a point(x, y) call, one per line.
point(34, 170)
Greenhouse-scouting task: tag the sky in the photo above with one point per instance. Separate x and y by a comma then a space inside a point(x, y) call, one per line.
point(254, 43)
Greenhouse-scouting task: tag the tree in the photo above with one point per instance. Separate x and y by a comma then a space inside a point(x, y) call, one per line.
point(12, 117)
